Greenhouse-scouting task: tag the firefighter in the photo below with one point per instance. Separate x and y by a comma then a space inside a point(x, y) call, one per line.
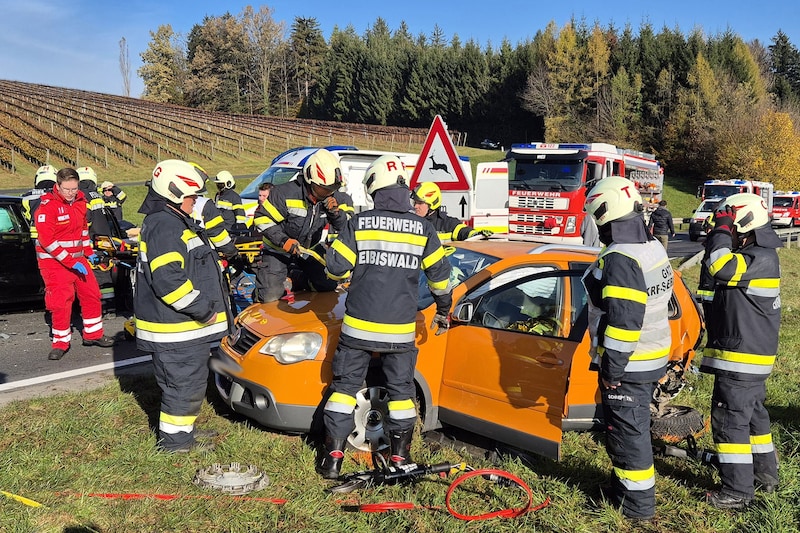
point(113, 197)
point(705, 287)
point(427, 198)
point(743, 325)
point(43, 182)
point(65, 255)
point(181, 300)
point(206, 214)
point(385, 248)
point(294, 215)
point(229, 202)
point(629, 287)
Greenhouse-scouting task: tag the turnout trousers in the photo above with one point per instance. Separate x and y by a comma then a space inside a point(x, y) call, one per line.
point(61, 285)
point(350, 367)
point(272, 269)
point(742, 438)
point(627, 416)
point(182, 376)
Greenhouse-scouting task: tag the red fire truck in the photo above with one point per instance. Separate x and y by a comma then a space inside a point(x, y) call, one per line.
point(725, 188)
point(548, 182)
point(786, 209)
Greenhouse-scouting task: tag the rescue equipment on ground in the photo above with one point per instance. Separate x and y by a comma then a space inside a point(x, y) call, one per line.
point(235, 479)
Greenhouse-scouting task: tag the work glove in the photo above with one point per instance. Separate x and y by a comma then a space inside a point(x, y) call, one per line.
point(291, 246)
point(80, 268)
point(485, 232)
point(331, 205)
point(723, 218)
point(93, 259)
point(440, 321)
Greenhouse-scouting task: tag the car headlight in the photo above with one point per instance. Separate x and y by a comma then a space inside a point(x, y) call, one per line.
point(293, 347)
point(570, 225)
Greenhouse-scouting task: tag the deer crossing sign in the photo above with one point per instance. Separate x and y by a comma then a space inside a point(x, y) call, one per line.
point(438, 162)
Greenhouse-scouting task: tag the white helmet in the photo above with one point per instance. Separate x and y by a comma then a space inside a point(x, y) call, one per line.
point(386, 171)
point(322, 169)
point(613, 198)
point(225, 177)
point(43, 174)
point(87, 173)
point(174, 180)
point(751, 211)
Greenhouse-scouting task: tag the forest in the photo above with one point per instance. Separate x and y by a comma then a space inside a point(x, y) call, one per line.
point(708, 106)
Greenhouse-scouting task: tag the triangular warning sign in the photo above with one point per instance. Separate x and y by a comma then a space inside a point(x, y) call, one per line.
point(438, 162)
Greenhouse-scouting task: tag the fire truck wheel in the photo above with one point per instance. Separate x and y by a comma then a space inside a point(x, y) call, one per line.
point(677, 423)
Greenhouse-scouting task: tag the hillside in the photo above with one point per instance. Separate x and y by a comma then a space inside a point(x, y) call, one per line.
point(122, 138)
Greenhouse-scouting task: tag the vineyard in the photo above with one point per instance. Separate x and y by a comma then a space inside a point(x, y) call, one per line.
point(124, 137)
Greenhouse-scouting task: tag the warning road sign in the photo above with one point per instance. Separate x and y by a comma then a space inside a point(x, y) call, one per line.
point(438, 162)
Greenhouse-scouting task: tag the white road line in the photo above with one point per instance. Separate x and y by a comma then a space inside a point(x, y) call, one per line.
point(72, 373)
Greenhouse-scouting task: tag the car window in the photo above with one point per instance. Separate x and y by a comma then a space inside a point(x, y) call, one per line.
point(464, 263)
point(8, 220)
point(523, 300)
point(274, 175)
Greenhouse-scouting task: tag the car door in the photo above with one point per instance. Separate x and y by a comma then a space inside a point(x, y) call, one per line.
point(507, 362)
point(19, 270)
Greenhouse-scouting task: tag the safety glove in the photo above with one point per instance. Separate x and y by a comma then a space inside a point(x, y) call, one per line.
point(331, 205)
point(292, 246)
point(441, 321)
point(80, 268)
point(723, 218)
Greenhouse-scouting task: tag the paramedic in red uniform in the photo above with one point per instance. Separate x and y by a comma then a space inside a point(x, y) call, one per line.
point(65, 252)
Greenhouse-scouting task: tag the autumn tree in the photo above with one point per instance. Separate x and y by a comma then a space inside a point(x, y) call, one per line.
point(164, 68)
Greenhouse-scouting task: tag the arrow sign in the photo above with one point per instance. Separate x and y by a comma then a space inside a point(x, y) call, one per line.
point(463, 204)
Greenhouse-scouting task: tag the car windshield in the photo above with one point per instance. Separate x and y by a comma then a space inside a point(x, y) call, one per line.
point(708, 206)
point(720, 191)
point(465, 263)
point(274, 175)
point(783, 202)
point(545, 174)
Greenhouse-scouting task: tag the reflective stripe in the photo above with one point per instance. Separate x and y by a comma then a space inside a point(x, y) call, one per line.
point(432, 259)
point(762, 443)
point(620, 346)
point(107, 293)
point(732, 453)
point(214, 222)
point(402, 409)
point(340, 403)
point(179, 331)
point(92, 328)
point(62, 335)
point(186, 300)
point(343, 250)
point(172, 424)
point(764, 287)
point(168, 257)
point(738, 362)
point(439, 287)
point(172, 297)
point(374, 331)
point(624, 293)
point(636, 479)
point(620, 334)
point(646, 365)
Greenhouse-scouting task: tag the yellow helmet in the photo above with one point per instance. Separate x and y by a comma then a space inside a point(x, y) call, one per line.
point(751, 211)
point(386, 171)
point(428, 192)
point(87, 173)
point(613, 198)
point(174, 180)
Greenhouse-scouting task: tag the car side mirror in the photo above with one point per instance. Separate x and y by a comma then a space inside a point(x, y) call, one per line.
point(463, 313)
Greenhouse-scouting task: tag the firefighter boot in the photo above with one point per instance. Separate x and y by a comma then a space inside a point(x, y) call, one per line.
point(332, 456)
point(401, 447)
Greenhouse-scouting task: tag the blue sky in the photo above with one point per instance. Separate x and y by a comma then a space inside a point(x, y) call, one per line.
point(76, 43)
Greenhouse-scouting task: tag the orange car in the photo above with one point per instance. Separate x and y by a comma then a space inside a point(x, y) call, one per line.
point(513, 367)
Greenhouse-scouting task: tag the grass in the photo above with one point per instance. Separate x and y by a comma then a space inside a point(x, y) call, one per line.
point(61, 450)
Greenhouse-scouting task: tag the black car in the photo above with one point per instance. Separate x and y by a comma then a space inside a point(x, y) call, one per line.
point(488, 144)
point(20, 280)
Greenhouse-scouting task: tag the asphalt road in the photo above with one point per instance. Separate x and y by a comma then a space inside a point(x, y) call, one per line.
point(25, 370)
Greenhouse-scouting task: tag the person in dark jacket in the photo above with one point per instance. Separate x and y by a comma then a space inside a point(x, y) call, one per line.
point(385, 248)
point(293, 216)
point(427, 198)
point(229, 202)
point(181, 300)
point(661, 224)
point(43, 182)
point(743, 325)
point(114, 197)
point(629, 287)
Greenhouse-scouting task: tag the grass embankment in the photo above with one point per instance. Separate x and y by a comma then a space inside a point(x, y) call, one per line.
point(61, 450)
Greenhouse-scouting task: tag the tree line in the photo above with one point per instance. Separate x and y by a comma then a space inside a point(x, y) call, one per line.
point(707, 106)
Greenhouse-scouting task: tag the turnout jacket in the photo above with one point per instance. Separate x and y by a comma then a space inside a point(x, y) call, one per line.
point(114, 202)
point(63, 234)
point(448, 228)
point(385, 248)
point(179, 285)
point(230, 205)
point(95, 209)
point(208, 217)
point(746, 310)
point(30, 203)
point(289, 214)
point(629, 287)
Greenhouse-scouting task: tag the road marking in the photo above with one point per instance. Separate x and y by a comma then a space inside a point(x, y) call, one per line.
point(72, 373)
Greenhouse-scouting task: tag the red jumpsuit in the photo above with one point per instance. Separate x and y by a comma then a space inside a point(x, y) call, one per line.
point(64, 241)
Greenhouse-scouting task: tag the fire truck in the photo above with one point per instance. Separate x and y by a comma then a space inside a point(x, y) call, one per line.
point(724, 188)
point(548, 182)
point(786, 209)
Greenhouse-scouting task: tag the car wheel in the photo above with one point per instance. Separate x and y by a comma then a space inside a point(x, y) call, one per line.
point(677, 423)
point(372, 408)
point(693, 236)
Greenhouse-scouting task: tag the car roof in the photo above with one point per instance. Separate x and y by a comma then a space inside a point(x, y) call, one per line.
point(503, 248)
point(10, 199)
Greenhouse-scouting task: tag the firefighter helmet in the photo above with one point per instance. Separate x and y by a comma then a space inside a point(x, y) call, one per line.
point(45, 173)
point(226, 178)
point(613, 198)
point(87, 173)
point(174, 180)
point(322, 169)
point(751, 211)
point(386, 171)
point(428, 192)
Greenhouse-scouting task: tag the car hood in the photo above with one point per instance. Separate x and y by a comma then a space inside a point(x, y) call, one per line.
point(310, 311)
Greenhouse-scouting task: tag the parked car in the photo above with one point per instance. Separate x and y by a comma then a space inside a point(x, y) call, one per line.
point(699, 216)
point(514, 366)
point(488, 144)
point(20, 281)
